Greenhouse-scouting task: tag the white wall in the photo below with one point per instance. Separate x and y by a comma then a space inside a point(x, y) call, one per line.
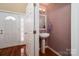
point(75, 29)
point(11, 29)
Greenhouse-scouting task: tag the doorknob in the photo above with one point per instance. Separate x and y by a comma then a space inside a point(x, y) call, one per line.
point(1, 31)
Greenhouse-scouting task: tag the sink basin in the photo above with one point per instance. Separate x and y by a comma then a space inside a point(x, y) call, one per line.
point(44, 35)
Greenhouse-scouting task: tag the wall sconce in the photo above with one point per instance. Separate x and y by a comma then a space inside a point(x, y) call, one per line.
point(42, 9)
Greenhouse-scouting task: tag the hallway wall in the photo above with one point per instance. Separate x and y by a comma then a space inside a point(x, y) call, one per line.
point(59, 20)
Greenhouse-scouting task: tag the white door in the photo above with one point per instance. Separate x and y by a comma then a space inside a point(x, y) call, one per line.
point(30, 24)
point(28, 30)
point(9, 29)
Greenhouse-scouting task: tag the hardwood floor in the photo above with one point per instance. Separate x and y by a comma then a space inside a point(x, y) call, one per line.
point(12, 51)
point(16, 51)
point(48, 52)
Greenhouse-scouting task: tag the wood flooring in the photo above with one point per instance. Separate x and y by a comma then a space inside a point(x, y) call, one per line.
point(16, 51)
point(48, 52)
point(12, 51)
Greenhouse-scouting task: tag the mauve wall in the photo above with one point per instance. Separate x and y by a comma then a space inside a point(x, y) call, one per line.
point(59, 21)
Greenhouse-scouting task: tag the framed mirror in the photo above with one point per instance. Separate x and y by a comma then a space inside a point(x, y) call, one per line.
point(42, 22)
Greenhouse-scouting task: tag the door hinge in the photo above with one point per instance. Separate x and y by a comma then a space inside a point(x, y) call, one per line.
point(34, 32)
point(34, 4)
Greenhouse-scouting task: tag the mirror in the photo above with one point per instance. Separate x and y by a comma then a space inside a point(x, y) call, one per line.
point(42, 22)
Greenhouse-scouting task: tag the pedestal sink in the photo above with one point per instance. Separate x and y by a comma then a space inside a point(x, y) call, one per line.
point(43, 36)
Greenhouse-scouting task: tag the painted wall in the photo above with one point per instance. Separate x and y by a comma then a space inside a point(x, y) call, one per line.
point(15, 7)
point(75, 29)
point(59, 20)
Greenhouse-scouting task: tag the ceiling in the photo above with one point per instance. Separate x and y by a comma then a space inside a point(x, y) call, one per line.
point(14, 7)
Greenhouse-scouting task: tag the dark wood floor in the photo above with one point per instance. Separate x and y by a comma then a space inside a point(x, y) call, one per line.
point(12, 51)
point(48, 52)
point(15, 51)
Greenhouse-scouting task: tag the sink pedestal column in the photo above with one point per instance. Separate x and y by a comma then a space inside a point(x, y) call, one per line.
point(43, 46)
point(43, 37)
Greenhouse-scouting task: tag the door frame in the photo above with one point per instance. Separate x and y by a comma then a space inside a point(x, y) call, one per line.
point(36, 28)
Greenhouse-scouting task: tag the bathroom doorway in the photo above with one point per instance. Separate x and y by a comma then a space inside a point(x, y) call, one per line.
point(55, 29)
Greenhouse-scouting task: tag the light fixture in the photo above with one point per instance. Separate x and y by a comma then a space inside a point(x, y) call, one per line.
point(10, 18)
point(42, 9)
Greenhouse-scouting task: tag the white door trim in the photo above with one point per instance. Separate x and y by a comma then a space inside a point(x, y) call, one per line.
point(36, 43)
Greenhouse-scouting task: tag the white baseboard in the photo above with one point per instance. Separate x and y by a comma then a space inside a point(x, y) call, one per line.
point(53, 51)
